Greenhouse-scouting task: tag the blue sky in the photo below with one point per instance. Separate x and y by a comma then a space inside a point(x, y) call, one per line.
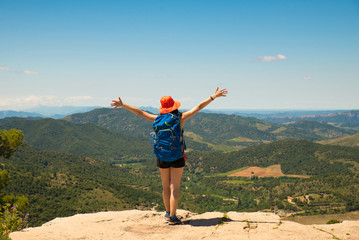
point(268, 54)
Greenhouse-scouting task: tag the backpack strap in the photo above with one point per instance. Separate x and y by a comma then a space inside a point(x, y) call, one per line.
point(183, 144)
point(179, 119)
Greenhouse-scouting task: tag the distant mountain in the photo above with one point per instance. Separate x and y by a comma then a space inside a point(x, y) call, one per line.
point(352, 141)
point(12, 119)
point(268, 113)
point(201, 130)
point(207, 131)
point(89, 139)
point(218, 128)
point(6, 114)
point(119, 120)
point(345, 119)
point(59, 112)
point(150, 109)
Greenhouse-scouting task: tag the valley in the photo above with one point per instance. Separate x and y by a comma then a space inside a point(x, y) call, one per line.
point(101, 160)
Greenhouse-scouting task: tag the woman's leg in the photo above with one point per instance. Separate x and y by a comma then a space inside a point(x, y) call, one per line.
point(175, 178)
point(166, 192)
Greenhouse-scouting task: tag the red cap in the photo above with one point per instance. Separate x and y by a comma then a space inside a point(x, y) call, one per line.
point(168, 104)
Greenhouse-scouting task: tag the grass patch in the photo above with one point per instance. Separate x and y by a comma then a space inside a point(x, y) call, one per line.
point(278, 130)
point(224, 219)
point(243, 139)
point(263, 127)
point(219, 147)
point(237, 182)
point(223, 148)
point(194, 137)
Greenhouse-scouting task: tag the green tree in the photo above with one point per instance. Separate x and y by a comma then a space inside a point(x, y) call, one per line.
point(10, 216)
point(9, 141)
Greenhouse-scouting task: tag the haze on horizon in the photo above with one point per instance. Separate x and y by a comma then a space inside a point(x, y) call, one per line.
point(269, 55)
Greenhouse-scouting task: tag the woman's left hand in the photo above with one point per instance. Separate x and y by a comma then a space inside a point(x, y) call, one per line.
point(117, 104)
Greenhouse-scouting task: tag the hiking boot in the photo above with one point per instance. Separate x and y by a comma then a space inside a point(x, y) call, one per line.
point(167, 216)
point(174, 220)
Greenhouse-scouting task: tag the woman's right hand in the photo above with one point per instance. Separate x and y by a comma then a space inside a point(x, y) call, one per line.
point(117, 104)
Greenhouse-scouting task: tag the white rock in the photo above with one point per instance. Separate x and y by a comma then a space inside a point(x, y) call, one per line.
point(136, 224)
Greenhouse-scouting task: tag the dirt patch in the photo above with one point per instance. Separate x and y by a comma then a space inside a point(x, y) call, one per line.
point(323, 219)
point(271, 171)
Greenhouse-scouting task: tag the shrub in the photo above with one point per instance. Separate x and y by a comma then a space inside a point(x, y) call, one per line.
point(333, 221)
point(11, 220)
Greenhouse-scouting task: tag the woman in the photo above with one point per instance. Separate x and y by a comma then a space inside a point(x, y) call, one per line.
point(171, 172)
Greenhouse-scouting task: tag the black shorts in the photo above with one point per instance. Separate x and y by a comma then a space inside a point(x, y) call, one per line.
point(175, 164)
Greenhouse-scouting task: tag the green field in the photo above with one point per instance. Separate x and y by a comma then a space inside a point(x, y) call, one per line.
point(239, 181)
point(215, 147)
point(231, 172)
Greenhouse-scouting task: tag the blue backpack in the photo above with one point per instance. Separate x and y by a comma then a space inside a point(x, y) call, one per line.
point(167, 139)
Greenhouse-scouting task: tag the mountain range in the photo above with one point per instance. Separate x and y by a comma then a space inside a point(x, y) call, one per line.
point(347, 119)
point(101, 160)
point(46, 111)
point(215, 131)
point(21, 114)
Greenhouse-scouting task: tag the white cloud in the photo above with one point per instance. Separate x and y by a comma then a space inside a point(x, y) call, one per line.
point(78, 99)
point(26, 101)
point(281, 57)
point(30, 72)
point(307, 77)
point(46, 100)
point(270, 58)
point(4, 68)
point(17, 71)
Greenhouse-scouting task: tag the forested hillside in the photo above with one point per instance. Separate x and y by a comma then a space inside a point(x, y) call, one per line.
point(332, 186)
point(314, 131)
point(119, 120)
point(351, 141)
point(62, 184)
point(207, 131)
point(295, 156)
point(89, 139)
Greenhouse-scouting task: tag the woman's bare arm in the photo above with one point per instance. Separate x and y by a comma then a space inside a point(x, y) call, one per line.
point(135, 110)
point(218, 93)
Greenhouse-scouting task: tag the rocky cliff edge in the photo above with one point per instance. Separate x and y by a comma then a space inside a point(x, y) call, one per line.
point(136, 224)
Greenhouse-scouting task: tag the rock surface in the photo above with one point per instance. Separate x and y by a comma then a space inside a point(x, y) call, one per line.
point(136, 224)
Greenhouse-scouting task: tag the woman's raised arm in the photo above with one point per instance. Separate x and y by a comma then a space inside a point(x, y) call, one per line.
point(116, 104)
point(218, 93)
